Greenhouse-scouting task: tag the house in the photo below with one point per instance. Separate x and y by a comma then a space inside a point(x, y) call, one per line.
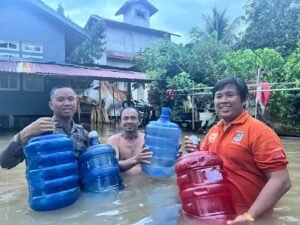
point(29, 29)
point(126, 39)
point(34, 43)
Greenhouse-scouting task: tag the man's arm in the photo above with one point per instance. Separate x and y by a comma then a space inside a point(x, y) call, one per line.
point(13, 154)
point(127, 164)
point(278, 184)
point(139, 158)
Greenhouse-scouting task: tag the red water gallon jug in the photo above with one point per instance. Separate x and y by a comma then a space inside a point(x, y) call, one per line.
point(203, 188)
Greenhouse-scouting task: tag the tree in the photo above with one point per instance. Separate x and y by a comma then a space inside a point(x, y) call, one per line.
point(202, 59)
point(292, 65)
point(272, 24)
point(91, 50)
point(219, 26)
point(245, 63)
point(60, 9)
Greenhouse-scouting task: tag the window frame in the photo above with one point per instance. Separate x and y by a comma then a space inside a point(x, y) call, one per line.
point(8, 43)
point(8, 75)
point(24, 44)
point(141, 14)
point(29, 78)
point(29, 56)
point(9, 55)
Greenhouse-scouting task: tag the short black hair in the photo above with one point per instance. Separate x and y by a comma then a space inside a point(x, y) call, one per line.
point(239, 83)
point(138, 112)
point(59, 87)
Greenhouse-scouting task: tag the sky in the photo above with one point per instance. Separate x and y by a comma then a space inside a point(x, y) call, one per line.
point(174, 16)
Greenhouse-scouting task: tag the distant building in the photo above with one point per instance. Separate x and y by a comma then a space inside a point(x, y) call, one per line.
point(34, 43)
point(31, 30)
point(126, 39)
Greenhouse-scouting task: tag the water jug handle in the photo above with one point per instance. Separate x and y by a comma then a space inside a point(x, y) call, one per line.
point(191, 163)
point(201, 192)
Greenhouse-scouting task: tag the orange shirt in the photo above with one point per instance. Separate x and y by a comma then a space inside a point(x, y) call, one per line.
point(249, 149)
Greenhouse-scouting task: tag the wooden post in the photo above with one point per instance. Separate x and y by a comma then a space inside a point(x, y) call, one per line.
point(99, 102)
point(257, 84)
point(129, 96)
point(193, 109)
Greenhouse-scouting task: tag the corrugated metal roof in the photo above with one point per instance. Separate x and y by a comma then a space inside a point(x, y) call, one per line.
point(62, 70)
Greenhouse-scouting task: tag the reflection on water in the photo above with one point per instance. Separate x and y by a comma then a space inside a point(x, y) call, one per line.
point(143, 201)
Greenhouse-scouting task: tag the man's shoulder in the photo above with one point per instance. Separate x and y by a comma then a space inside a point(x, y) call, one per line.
point(80, 129)
point(114, 137)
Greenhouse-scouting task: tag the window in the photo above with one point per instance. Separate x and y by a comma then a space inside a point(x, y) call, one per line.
point(9, 45)
point(32, 56)
point(32, 48)
point(9, 82)
point(9, 55)
point(140, 14)
point(33, 83)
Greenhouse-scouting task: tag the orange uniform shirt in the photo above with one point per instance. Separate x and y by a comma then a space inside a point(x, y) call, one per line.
point(249, 149)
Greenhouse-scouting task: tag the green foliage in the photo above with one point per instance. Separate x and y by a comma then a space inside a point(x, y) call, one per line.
point(217, 25)
point(60, 9)
point(285, 108)
point(245, 64)
point(181, 81)
point(292, 65)
point(91, 50)
point(272, 24)
point(162, 59)
point(202, 60)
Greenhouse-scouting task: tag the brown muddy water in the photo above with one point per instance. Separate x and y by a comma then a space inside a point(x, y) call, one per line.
point(143, 201)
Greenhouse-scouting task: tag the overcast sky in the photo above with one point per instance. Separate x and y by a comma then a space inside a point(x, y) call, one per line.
point(174, 16)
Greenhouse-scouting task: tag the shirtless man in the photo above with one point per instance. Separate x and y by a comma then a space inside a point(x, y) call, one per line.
point(129, 143)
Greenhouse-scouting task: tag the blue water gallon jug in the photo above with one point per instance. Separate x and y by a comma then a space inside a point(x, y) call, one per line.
point(162, 138)
point(51, 172)
point(99, 168)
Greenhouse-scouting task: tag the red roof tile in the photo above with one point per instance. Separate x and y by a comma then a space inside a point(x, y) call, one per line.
point(62, 70)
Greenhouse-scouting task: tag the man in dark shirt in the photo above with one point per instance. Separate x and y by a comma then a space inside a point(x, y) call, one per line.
point(63, 103)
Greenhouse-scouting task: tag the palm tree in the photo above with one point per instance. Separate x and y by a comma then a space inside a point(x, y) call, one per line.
point(218, 26)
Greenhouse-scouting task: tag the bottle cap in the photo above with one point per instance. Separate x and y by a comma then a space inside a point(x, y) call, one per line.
point(93, 134)
point(194, 139)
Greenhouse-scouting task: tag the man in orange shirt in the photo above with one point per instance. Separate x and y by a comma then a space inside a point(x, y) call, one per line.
point(252, 153)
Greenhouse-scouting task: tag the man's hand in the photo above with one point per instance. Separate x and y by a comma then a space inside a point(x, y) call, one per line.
point(189, 146)
point(239, 220)
point(180, 152)
point(40, 126)
point(142, 156)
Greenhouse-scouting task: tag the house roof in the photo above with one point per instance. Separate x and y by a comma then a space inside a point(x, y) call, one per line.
point(128, 3)
point(50, 69)
point(74, 33)
point(130, 26)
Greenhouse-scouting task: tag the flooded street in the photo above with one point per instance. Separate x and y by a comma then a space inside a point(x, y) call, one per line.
point(143, 201)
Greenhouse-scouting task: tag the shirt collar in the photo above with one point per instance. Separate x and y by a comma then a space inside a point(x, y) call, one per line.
point(59, 125)
point(239, 120)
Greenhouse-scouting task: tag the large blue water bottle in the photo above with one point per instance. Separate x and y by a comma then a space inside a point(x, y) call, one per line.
point(162, 138)
point(51, 172)
point(99, 168)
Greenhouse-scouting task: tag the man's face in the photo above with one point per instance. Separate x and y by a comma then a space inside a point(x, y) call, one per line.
point(228, 103)
point(130, 120)
point(63, 103)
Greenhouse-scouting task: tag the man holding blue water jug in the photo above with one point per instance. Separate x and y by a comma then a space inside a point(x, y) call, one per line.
point(63, 103)
point(129, 143)
point(253, 155)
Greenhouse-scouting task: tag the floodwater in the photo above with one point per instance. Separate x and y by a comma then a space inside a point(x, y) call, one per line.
point(143, 201)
